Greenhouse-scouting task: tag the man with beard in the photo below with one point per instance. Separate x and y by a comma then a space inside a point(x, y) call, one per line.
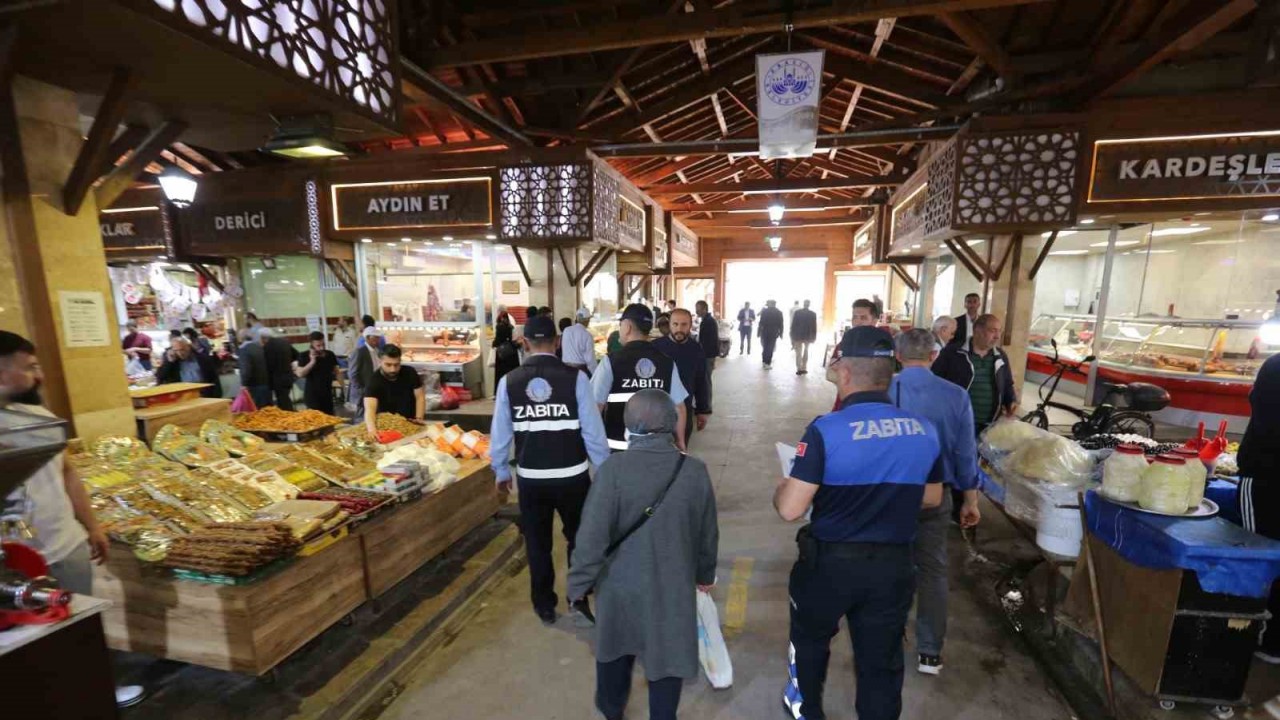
point(691, 363)
point(53, 502)
point(394, 389)
point(137, 345)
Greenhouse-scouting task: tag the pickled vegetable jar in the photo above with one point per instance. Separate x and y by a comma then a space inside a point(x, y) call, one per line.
point(1195, 470)
point(1166, 486)
point(1122, 473)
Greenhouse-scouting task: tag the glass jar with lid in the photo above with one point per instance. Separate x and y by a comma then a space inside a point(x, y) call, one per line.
point(1166, 485)
point(1122, 473)
point(1198, 474)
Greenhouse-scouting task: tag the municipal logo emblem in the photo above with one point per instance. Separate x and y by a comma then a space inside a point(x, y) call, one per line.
point(538, 390)
point(645, 368)
point(790, 81)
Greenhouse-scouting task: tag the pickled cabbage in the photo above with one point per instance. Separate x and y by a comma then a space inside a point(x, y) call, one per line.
point(1166, 487)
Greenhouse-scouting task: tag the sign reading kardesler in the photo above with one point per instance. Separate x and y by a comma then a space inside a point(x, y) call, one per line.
point(1187, 167)
point(451, 202)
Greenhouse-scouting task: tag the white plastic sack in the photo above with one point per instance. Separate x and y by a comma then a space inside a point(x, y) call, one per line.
point(712, 652)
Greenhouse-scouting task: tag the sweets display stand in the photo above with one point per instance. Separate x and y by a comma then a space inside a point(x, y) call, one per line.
point(166, 394)
point(188, 415)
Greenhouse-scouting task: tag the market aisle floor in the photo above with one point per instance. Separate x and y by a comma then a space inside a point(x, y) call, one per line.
point(504, 664)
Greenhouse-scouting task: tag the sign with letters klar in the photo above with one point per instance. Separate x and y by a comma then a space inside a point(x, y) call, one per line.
point(788, 90)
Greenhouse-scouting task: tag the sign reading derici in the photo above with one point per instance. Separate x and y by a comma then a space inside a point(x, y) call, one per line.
point(788, 89)
point(1186, 167)
point(401, 205)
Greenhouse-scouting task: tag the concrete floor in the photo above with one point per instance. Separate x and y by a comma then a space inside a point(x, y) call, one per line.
point(504, 664)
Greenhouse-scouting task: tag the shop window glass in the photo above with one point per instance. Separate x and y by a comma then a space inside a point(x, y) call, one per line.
point(423, 281)
point(600, 296)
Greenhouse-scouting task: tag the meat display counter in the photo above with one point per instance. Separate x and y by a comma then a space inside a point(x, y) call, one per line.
point(1208, 366)
point(452, 351)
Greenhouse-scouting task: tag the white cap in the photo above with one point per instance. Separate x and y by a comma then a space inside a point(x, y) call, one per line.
point(372, 331)
point(583, 313)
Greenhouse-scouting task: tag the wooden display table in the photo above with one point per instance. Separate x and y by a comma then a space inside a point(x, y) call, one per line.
point(188, 415)
point(251, 628)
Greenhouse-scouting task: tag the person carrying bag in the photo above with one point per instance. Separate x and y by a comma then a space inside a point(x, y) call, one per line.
point(648, 538)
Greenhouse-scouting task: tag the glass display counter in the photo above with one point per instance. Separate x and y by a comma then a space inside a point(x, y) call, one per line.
point(600, 330)
point(452, 351)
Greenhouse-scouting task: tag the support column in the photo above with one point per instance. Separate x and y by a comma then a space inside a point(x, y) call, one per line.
point(53, 253)
point(1012, 296)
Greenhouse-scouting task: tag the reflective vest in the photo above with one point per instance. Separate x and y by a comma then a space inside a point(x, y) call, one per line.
point(637, 366)
point(544, 417)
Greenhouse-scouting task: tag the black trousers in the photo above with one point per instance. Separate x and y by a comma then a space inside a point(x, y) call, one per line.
point(539, 503)
point(689, 416)
point(613, 688)
point(768, 344)
point(744, 340)
point(1260, 513)
point(871, 586)
point(283, 399)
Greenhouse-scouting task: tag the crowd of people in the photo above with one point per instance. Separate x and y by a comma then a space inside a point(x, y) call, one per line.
point(878, 516)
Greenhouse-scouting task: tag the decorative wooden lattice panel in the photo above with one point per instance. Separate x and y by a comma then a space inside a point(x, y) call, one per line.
point(938, 198)
point(1017, 178)
point(346, 47)
point(546, 202)
point(313, 219)
point(605, 193)
point(631, 235)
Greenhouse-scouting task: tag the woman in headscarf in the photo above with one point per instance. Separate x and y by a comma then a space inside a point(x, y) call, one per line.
point(645, 588)
point(506, 356)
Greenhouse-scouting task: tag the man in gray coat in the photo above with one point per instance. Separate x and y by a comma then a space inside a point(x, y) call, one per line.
point(252, 362)
point(646, 606)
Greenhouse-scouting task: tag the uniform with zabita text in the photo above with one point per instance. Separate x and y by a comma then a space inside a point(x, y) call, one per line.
point(637, 366)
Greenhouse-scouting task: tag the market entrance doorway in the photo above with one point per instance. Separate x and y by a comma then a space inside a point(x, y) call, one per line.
point(786, 281)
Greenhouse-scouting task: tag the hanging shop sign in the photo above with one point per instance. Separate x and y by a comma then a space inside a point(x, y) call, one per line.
point(788, 89)
point(133, 232)
point(686, 250)
point(660, 258)
point(631, 225)
point(1190, 167)
point(412, 205)
point(252, 213)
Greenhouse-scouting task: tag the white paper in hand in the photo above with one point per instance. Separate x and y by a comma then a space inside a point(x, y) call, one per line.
point(786, 457)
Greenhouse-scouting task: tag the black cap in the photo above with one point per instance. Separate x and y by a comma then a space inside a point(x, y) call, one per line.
point(539, 327)
point(866, 341)
point(639, 315)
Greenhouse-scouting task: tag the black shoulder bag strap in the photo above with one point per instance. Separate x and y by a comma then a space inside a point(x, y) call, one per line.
point(648, 512)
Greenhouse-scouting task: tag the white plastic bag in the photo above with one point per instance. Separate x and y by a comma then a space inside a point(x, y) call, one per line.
point(712, 652)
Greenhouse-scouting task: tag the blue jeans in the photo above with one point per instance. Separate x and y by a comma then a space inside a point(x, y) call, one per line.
point(75, 571)
point(355, 396)
point(871, 586)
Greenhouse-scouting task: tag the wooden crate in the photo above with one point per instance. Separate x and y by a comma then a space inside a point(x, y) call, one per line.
point(188, 415)
point(402, 540)
point(166, 394)
point(248, 628)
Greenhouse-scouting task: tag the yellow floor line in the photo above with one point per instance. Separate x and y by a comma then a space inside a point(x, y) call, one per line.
point(735, 610)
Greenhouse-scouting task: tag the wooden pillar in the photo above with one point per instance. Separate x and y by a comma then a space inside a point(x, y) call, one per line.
point(1012, 296)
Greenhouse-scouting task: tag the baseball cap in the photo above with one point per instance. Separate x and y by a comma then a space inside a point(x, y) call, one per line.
point(582, 313)
point(372, 331)
point(865, 341)
point(639, 315)
point(539, 327)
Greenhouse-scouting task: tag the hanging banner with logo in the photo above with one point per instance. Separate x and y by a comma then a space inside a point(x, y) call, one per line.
point(788, 89)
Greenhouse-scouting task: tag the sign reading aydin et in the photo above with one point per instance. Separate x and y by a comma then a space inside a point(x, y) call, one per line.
point(1186, 168)
point(415, 204)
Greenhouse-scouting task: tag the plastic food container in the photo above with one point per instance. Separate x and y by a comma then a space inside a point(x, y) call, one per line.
point(1122, 473)
point(1166, 485)
point(1198, 474)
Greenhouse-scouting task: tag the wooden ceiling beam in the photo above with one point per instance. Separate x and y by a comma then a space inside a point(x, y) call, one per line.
point(655, 29)
point(748, 145)
point(734, 222)
point(686, 94)
point(434, 87)
point(93, 159)
point(982, 43)
point(876, 74)
point(127, 140)
point(424, 116)
point(120, 178)
point(1198, 22)
point(798, 185)
point(204, 161)
point(761, 205)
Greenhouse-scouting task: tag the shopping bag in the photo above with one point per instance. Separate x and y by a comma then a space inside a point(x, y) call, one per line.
point(243, 402)
point(712, 652)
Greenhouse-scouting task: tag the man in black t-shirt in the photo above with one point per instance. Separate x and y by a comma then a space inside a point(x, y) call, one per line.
point(319, 367)
point(394, 389)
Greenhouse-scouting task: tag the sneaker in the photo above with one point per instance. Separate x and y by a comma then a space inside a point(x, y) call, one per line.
point(767, 366)
point(1267, 658)
point(548, 617)
point(581, 613)
point(129, 695)
point(930, 664)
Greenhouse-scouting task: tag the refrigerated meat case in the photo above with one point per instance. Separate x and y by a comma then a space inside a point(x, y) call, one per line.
point(451, 351)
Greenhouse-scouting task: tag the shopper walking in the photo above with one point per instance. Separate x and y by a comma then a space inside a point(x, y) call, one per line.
point(648, 541)
point(865, 314)
point(681, 347)
point(280, 356)
point(364, 363)
point(252, 363)
point(856, 555)
point(746, 321)
point(506, 355)
point(318, 368)
point(944, 331)
point(53, 502)
point(545, 409)
point(137, 345)
point(770, 331)
point(981, 368)
point(1259, 461)
point(791, 314)
point(804, 331)
point(965, 322)
point(637, 366)
point(366, 322)
point(947, 406)
point(579, 344)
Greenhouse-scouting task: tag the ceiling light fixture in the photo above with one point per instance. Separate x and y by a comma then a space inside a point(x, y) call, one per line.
point(366, 240)
point(1270, 217)
point(447, 238)
point(1061, 233)
point(1087, 221)
point(178, 186)
point(1163, 232)
point(1119, 243)
point(305, 137)
point(1069, 252)
point(775, 242)
point(775, 212)
point(490, 236)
